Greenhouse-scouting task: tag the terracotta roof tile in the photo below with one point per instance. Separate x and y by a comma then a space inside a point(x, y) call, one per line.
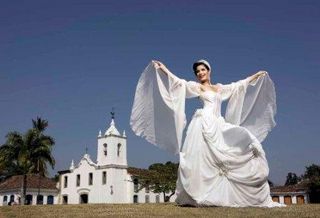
point(290, 188)
point(15, 182)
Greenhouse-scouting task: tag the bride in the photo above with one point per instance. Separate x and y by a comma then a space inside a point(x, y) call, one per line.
point(222, 162)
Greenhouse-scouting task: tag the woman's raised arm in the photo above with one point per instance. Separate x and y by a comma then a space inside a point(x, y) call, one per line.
point(255, 76)
point(162, 67)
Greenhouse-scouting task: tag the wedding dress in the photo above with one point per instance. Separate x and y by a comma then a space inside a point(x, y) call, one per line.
point(222, 162)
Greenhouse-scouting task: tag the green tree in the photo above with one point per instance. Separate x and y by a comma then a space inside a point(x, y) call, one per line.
point(28, 153)
point(161, 178)
point(292, 179)
point(312, 177)
point(270, 183)
point(40, 146)
point(12, 156)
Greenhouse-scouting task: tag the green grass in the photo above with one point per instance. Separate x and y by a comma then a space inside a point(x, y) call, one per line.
point(155, 210)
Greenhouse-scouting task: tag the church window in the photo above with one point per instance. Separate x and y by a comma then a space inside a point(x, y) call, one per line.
point(78, 180)
point(50, 199)
point(135, 199)
point(105, 150)
point(65, 184)
point(11, 198)
point(90, 178)
point(147, 198)
point(39, 199)
point(119, 148)
point(29, 199)
point(136, 185)
point(5, 199)
point(104, 177)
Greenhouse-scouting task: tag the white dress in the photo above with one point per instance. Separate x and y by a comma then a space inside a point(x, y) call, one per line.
point(222, 162)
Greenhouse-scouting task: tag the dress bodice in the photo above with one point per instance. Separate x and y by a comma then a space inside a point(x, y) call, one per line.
point(211, 102)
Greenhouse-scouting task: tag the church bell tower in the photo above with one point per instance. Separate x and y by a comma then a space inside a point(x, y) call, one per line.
point(112, 146)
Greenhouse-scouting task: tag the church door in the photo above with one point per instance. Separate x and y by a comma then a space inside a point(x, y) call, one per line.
point(300, 199)
point(83, 198)
point(135, 199)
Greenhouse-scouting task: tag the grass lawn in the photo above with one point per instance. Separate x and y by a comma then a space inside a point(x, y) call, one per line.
point(155, 210)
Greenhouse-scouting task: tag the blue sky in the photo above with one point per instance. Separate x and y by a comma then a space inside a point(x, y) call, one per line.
point(70, 62)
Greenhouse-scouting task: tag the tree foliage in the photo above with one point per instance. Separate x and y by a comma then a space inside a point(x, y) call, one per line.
point(27, 153)
point(292, 179)
point(312, 177)
point(161, 178)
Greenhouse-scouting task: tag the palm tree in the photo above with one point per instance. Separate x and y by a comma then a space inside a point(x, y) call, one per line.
point(27, 154)
point(40, 147)
point(12, 155)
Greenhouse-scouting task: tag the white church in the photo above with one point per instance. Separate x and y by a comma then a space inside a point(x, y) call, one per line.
point(108, 180)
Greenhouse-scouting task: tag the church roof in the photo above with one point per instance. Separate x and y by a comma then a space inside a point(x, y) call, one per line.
point(87, 158)
point(112, 130)
point(15, 182)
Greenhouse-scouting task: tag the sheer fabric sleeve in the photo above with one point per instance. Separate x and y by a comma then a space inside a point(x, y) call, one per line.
point(192, 89)
point(158, 111)
point(228, 90)
point(252, 105)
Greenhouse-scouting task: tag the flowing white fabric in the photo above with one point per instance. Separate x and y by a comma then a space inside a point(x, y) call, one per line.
point(158, 108)
point(222, 162)
point(253, 105)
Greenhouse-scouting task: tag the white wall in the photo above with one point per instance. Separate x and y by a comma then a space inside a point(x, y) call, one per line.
point(34, 196)
point(112, 150)
point(114, 191)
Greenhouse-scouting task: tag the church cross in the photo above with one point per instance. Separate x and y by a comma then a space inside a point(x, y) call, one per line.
point(112, 113)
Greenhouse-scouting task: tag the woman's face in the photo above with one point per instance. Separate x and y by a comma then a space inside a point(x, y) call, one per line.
point(202, 73)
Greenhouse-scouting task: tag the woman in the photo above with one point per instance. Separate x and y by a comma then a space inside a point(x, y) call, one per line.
point(222, 162)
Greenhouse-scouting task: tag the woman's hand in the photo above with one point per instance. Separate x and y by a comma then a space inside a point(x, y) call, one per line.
point(159, 65)
point(257, 75)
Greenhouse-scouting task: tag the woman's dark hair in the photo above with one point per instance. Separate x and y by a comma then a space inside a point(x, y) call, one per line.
point(195, 65)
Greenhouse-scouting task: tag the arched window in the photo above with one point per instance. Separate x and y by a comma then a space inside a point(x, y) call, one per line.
point(39, 199)
point(5, 200)
point(119, 148)
point(65, 185)
point(78, 180)
point(65, 199)
point(28, 199)
point(11, 198)
point(104, 177)
point(50, 199)
point(135, 199)
point(90, 178)
point(105, 149)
